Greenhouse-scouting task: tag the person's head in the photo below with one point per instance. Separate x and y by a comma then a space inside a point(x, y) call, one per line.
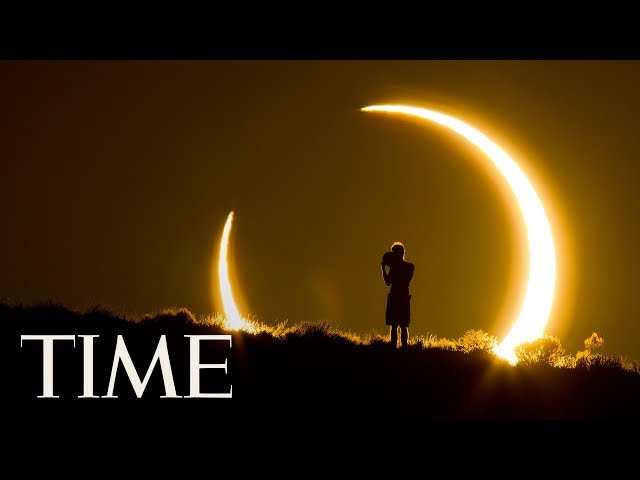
point(398, 249)
point(389, 258)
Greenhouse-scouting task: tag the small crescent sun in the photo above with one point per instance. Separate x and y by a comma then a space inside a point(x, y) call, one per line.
point(233, 319)
point(536, 307)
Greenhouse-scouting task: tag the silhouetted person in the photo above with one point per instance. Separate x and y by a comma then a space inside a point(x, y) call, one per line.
point(398, 299)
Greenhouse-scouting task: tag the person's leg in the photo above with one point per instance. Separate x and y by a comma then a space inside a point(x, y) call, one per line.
point(404, 336)
point(393, 333)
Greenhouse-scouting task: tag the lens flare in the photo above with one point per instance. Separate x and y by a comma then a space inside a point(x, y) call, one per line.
point(234, 320)
point(536, 307)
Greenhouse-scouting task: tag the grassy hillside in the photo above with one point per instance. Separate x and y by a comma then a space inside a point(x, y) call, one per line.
point(309, 371)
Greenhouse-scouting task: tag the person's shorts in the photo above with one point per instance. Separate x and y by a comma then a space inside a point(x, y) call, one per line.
point(398, 310)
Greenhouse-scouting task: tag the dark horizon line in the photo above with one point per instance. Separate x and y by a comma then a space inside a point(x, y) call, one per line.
point(134, 317)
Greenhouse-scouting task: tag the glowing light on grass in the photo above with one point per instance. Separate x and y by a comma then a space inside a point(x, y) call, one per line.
point(234, 320)
point(536, 307)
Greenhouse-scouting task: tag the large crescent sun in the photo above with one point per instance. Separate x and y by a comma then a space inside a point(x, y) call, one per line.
point(536, 307)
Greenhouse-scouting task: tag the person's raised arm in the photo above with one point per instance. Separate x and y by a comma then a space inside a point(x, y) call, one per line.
point(385, 276)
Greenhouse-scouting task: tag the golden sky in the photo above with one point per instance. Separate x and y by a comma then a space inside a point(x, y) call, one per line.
point(117, 178)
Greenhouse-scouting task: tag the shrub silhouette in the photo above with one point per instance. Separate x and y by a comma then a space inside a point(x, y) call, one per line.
point(477, 340)
point(591, 358)
point(594, 342)
point(597, 361)
point(545, 351)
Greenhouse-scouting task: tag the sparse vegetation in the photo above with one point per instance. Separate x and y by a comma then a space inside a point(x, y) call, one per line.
point(548, 352)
